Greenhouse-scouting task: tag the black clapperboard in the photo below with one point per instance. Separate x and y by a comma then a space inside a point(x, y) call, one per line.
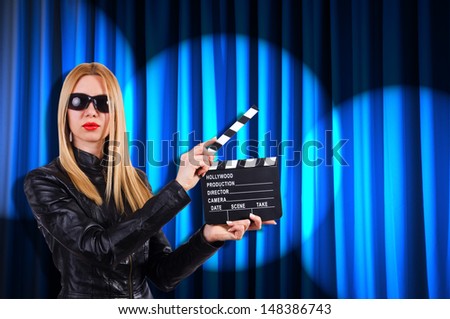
point(231, 190)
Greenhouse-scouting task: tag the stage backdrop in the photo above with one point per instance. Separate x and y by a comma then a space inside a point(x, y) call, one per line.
point(353, 99)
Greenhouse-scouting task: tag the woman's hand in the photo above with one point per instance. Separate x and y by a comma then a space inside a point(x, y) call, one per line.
point(233, 230)
point(194, 164)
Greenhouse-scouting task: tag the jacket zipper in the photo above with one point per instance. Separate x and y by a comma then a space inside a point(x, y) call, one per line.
point(130, 258)
point(130, 281)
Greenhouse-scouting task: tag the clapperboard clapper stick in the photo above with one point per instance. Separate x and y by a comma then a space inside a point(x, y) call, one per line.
point(225, 137)
point(233, 189)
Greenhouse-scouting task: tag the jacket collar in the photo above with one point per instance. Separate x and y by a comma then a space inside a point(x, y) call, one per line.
point(88, 162)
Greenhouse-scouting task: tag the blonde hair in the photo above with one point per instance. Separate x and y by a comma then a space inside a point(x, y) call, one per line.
point(122, 178)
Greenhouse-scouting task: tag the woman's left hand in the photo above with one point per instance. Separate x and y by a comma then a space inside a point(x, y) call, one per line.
point(234, 230)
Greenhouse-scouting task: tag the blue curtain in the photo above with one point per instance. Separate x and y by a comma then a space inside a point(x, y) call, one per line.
point(353, 99)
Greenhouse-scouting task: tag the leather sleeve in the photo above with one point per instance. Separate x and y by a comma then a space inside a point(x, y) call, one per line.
point(60, 214)
point(167, 268)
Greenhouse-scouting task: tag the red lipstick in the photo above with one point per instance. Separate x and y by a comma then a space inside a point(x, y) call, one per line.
point(90, 126)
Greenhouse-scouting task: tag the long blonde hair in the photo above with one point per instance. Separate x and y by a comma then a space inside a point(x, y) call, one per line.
point(122, 177)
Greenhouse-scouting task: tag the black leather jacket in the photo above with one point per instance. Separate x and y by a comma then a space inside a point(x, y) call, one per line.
point(101, 253)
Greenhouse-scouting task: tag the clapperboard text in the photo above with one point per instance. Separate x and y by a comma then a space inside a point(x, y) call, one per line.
point(234, 189)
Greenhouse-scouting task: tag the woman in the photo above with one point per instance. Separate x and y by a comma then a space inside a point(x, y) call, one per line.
point(97, 213)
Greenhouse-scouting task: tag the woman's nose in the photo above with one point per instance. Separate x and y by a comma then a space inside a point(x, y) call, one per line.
point(91, 109)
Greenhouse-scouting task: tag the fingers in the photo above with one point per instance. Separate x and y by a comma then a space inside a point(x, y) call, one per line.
point(245, 223)
point(203, 165)
point(201, 161)
point(270, 222)
point(202, 171)
point(198, 163)
point(235, 230)
point(194, 164)
point(202, 148)
point(199, 149)
point(256, 222)
point(199, 155)
point(202, 157)
point(210, 142)
point(238, 228)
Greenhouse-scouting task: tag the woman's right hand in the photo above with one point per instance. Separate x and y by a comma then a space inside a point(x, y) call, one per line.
point(194, 164)
point(234, 230)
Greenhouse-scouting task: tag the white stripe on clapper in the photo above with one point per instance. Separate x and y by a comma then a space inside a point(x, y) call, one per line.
point(237, 126)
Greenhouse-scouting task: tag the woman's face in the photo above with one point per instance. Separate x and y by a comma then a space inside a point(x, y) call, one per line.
point(89, 126)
